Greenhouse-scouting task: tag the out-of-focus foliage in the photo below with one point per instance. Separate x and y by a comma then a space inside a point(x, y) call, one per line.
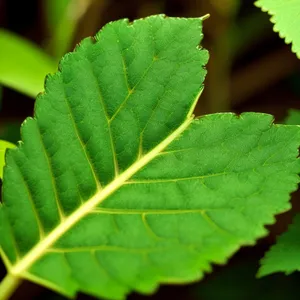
point(1, 94)
point(10, 131)
point(56, 9)
point(239, 282)
point(293, 117)
point(285, 16)
point(3, 146)
point(23, 66)
point(226, 7)
point(284, 256)
point(63, 17)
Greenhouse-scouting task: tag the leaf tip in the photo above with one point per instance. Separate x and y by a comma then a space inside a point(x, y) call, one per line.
point(205, 17)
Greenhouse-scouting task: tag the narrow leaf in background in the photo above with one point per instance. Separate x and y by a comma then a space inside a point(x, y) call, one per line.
point(63, 17)
point(55, 9)
point(285, 16)
point(23, 65)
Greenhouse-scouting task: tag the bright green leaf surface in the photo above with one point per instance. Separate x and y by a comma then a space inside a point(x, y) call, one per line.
point(23, 66)
point(3, 146)
point(285, 16)
point(284, 256)
point(119, 188)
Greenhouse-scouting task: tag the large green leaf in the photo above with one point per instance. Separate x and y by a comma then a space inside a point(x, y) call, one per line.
point(116, 187)
point(23, 66)
point(285, 16)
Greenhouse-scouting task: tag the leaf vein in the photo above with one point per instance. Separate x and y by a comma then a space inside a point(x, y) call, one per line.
point(102, 102)
point(150, 181)
point(32, 203)
point(53, 182)
point(83, 147)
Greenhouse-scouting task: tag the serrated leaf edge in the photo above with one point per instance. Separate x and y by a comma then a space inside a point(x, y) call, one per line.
point(282, 34)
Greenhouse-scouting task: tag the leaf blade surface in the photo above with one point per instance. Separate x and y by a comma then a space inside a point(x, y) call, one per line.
point(114, 174)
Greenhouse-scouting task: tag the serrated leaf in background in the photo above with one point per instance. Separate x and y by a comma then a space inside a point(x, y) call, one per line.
point(239, 282)
point(285, 16)
point(284, 256)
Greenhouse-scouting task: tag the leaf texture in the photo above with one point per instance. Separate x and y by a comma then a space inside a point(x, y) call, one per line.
point(115, 187)
point(285, 16)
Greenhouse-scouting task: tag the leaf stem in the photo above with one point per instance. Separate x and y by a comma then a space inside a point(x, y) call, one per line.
point(8, 286)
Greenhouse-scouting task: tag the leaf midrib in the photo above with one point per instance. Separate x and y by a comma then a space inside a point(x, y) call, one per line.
point(40, 248)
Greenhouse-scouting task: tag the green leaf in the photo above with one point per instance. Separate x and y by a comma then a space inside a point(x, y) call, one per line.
point(23, 66)
point(284, 256)
point(3, 146)
point(119, 187)
point(293, 117)
point(285, 16)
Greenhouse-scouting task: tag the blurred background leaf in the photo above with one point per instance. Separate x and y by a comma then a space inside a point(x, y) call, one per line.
point(293, 117)
point(63, 17)
point(23, 65)
point(3, 146)
point(239, 282)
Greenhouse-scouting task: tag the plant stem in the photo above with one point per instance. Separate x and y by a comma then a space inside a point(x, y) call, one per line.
point(8, 286)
